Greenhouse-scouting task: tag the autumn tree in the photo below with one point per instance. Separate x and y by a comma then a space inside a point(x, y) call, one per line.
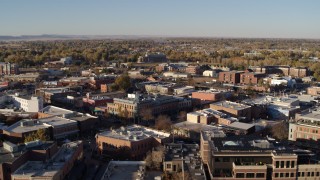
point(40, 134)
point(154, 158)
point(146, 114)
point(182, 116)
point(280, 131)
point(163, 122)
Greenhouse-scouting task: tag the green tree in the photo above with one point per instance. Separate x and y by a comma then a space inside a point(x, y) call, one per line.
point(123, 82)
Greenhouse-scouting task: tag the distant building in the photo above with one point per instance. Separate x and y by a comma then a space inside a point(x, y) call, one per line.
point(237, 110)
point(183, 90)
point(176, 75)
point(194, 70)
point(7, 68)
point(159, 87)
point(315, 91)
point(212, 73)
point(251, 78)
point(284, 70)
point(27, 77)
point(211, 95)
point(26, 103)
point(55, 127)
point(85, 122)
point(134, 104)
point(138, 139)
point(153, 58)
point(230, 77)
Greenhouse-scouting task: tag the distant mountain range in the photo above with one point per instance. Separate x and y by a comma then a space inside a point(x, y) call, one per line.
point(66, 37)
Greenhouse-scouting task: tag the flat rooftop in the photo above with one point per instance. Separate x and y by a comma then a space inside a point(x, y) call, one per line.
point(133, 170)
point(134, 133)
point(53, 110)
point(213, 91)
point(196, 126)
point(231, 105)
point(7, 156)
point(191, 158)
point(240, 125)
point(49, 169)
point(35, 124)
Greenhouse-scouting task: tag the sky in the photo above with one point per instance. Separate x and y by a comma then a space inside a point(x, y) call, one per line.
point(199, 18)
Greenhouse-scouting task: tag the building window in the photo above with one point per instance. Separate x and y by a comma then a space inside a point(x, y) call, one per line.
point(276, 175)
point(292, 175)
point(318, 174)
point(302, 174)
point(299, 174)
point(168, 166)
point(312, 174)
point(260, 175)
point(281, 174)
point(225, 159)
point(288, 164)
point(309, 174)
point(287, 174)
point(282, 164)
point(277, 164)
point(292, 164)
point(250, 175)
point(240, 175)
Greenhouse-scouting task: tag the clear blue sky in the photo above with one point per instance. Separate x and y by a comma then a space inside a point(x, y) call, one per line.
point(216, 18)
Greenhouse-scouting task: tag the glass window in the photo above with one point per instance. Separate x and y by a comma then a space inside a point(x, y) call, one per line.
point(282, 164)
point(277, 164)
point(302, 174)
point(281, 174)
point(318, 174)
point(240, 175)
point(287, 174)
point(288, 164)
point(276, 174)
point(309, 174)
point(312, 174)
point(292, 164)
point(225, 159)
point(260, 175)
point(292, 175)
point(299, 174)
point(169, 166)
point(250, 175)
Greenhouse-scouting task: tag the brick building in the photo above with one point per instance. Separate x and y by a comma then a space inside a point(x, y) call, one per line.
point(306, 126)
point(230, 77)
point(314, 91)
point(55, 127)
point(251, 78)
point(211, 95)
point(56, 167)
point(255, 158)
point(14, 156)
point(138, 139)
point(237, 110)
point(285, 70)
point(8, 68)
point(134, 104)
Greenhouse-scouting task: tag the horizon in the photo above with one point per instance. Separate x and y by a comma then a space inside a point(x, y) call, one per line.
point(286, 19)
